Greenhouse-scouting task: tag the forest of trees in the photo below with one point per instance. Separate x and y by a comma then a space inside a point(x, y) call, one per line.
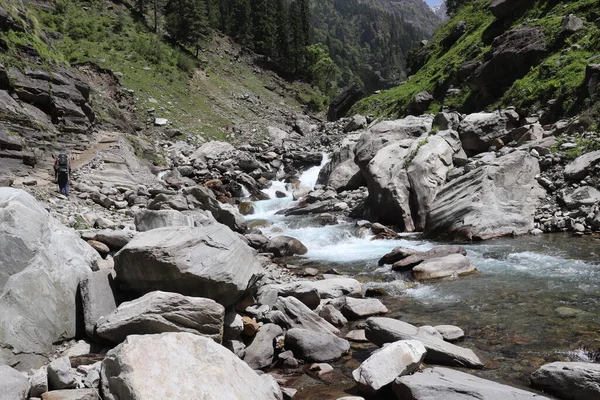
point(330, 43)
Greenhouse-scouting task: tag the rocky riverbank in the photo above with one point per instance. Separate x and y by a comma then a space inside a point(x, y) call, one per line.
point(162, 275)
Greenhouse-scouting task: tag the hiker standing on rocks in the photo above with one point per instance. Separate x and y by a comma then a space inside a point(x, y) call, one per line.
point(62, 172)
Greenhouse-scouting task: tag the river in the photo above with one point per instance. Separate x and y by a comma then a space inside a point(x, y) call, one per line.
point(534, 300)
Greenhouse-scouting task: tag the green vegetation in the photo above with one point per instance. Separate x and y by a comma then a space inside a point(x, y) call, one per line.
point(558, 78)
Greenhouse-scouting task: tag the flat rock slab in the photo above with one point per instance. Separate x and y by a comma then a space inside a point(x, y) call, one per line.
point(450, 333)
point(418, 257)
point(452, 265)
point(209, 261)
point(444, 384)
point(569, 380)
point(98, 299)
point(178, 366)
point(579, 168)
point(147, 220)
point(159, 312)
point(381, 330)
point(299, 315)
point(386, 364)
point(354, 309)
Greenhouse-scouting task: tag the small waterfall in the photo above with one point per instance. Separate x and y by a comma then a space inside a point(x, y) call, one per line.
point(310, 176)
point(245, 192)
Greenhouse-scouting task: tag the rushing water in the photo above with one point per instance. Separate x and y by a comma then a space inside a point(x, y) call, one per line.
point(535, 299)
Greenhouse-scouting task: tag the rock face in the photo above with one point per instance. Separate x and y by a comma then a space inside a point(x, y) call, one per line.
point(569, 380)
point(178, 366)
point(13, 384)
point(494, 200)
point(342, 103)
point(512, 55)
point(210, 261)
point(503, 8)
point(152, 219)
point(386, 364)
point(388, 132)
point(37, 255)
point(159, 312)
point(386, 330)
point(443, 384)
point(315, 346)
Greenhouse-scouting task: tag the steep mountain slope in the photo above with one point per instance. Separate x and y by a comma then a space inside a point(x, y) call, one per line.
point(532, 55)
point(369, 40)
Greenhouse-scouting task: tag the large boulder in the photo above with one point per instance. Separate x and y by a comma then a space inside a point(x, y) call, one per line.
point(404, 178)
point(443, 384)
point(285, 246)
point(493, 200)
point(402, 258)
point(260, 352)
point(341, 173)
point(337, 287)
point(41, 265)
point(159, 312)
point(478, 131)
point(512, 55)
point(381, 330)
point(147, 220)
point(569, 380)
point(354, 309)
point(178, 366)
point(386, 364)
point(211, 151)
point(315, 346)
point(209, 261)
point(388, 132)
point(582, 196)
point(13, 384)
point(504, 8)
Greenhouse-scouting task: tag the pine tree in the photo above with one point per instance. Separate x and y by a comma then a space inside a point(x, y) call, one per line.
point(263, 28)
point(187, 21)
point(242, 22)
point(282, 45)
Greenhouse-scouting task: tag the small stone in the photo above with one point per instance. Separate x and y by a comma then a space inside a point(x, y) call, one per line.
point(250, 326)
point(321, 368)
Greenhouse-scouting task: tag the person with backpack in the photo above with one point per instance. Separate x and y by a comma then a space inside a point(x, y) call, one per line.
point(62, 172)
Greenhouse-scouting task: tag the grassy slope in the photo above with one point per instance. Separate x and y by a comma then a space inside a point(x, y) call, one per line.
point(558, 77)
point(197, 100)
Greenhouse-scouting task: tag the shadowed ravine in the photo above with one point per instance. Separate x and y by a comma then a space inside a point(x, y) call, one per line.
point(535, 299)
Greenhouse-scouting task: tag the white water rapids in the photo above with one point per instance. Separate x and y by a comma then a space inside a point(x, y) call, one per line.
point(543, 291)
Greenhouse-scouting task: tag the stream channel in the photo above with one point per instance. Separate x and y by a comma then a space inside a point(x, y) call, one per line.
point(534, 300)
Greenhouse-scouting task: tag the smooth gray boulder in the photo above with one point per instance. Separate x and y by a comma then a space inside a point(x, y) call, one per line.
point(381, 330)
point(116, 240)
point(299, 315)
point(569, 380)
point(582, 196)
point(452, 265)
point(387, 132)
point(332, 315)
point(491, 201)
point(178, 366)
point(13, 384)
point(37, 256)
point(38, 379)
point(478, 131)
point(342, 173)
point(386, 364)
point(260, 352)
point(231, 217)
point(285, 246)
point(408, 259)
point(159, 312)
point(147, 220)
point(209, 261)
point(579, 168)
point(439, 383)
point(98, 299)
point(60, 374)
point(354, 309)
point(450, 333)
point(337, 287)
point(314, 346)
point(210, 151)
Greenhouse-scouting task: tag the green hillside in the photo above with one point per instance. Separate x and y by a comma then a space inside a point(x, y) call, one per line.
point(557, 78)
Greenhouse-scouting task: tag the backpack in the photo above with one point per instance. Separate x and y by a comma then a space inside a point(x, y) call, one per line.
point(63, 163)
